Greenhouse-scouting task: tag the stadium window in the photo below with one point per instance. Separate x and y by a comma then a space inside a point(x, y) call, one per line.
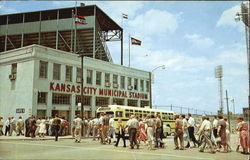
point(115, 79)
point(60, 98)
point(136, 84)
point(101, 101)
point(129, 81)
point(122, 82)
point(56, 71)
point(78, 74)
point(98, 78)
point(89, 76)
point(86, 100)
point(43, 69)
point(14, 68)
point(107, 77)
point(42, 98)
point(68, 73)
point(142, 85)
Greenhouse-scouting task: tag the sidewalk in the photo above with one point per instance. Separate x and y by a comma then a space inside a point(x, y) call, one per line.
point(23, 138)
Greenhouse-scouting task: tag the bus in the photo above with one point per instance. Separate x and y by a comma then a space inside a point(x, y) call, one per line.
point(124, 112)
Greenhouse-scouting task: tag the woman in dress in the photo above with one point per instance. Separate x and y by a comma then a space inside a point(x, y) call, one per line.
point(142, 133)
point(244, 137)
point(42, 128)
point(238, 138)
point(185, 130)
point(222, 133)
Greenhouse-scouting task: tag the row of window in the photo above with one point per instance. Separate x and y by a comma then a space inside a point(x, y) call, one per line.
point(65, 99)
point(43, 73)
point(143, 114)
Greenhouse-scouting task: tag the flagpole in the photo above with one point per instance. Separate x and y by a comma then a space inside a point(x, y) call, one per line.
point(129, 50)
point(72, 22)
point(122, 22)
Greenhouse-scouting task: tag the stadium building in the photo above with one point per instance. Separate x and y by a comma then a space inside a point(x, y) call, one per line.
point(40, 67)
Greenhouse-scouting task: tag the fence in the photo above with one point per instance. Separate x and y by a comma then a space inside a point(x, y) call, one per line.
point(185, 110)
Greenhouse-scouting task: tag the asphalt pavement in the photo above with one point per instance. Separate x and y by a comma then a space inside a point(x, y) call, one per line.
point(66, 148)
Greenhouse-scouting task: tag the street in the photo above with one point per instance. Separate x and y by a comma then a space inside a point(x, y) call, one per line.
point(88, 149)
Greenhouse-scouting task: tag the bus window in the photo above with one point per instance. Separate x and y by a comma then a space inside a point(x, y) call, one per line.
point(140, 115)
point(153, 113)
point(118, 114)
point(110, 114)
point(127, 114)
point(163, 116)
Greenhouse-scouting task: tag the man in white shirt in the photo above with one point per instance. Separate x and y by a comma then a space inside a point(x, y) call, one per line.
point(20, 126)
point(12, 125)
point(78, 126)
point(191, 125)
point(50, 126)
point(95, 123)
point(111, 129)
point(7, 127)
point(133, 125)
point(215, 126)
point(206, 130)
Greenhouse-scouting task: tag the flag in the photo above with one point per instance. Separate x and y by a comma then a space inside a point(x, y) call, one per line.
point(232, 100)
point(125, 16)
point(135, 41)
point(80, 20)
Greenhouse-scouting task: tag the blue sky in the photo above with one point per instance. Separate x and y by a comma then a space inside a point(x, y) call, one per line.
point(190, 38)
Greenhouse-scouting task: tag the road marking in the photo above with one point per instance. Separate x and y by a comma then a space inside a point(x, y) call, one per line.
point(110, 150)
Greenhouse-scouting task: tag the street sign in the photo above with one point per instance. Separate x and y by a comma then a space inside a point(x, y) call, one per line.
point(20, 110)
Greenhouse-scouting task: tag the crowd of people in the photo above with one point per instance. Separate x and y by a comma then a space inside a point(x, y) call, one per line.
point(103, 128)
point(33, 126)
point(214, 134)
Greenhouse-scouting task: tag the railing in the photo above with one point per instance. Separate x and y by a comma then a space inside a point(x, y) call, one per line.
point(105, 47)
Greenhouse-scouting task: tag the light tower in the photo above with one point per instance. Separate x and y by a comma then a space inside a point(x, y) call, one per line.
point(219, 75)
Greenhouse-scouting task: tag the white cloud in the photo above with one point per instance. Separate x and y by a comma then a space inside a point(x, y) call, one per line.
point(174, 60)
point(227, 18)
point(4, 10)
point(199, 41)
point(154, 23)
point(115, 9)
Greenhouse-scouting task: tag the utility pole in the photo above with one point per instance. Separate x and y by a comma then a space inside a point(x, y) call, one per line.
point(82, 108)
point(150, 89)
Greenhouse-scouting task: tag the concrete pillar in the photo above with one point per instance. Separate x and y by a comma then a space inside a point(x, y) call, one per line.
point(93, 106)
point(49, 105)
